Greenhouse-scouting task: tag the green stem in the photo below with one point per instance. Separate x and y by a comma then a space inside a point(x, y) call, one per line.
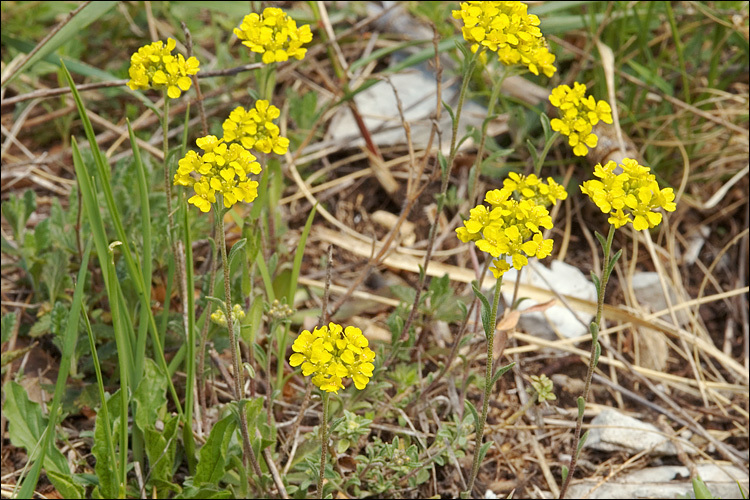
point(487, 387)
point(603, 279)
point(476, 169)
point(165, 150)
point(249, 454)
point(323, 443)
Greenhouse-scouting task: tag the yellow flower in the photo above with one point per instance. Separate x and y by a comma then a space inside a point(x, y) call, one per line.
point(154, 67)
point(631, 196)
point(578, 116)
point(220, 169)
point(533, 188)
point(274, 34)
point(255, 128)
point(511, 227)
point(331, 353)
point(507, 29)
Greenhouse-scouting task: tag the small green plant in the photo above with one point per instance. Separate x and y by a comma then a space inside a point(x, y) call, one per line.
point(199, 336)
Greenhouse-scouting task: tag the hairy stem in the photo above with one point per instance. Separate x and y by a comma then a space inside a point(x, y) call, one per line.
point(604, 277)
point(238, 384)
point(323, 443)
point(487, 387)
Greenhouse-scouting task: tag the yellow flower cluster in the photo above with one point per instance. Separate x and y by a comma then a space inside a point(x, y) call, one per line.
point(579, 115)
point(510, 228)
point(274, 34)
point(629, 196)
point(533, 188)
point(221, 169)
point(220, 318)
point(331, 353)
point(154, 67)
point(507, 28)
point(255, 128)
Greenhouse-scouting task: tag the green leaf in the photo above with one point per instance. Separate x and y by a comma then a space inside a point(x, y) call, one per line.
point(581, 406)
point(253, 321)
point(213, 456)
point(486, 311)
point(160, 450)
point(597, 283)
point(342, 445)
point(69, 342)
point(442, 161)
point(26, 427)
point(597, 353)
point(564, 473)
point(468, 404)
point(613, 261)
point(602, 239)
point(297, 266)
point(546, 126)
point(8, 322)
point(65, 485)
point(651, 77)
point(453, 120)
point(423, 475)
point(483, 450)
point(150, 395)
point(105, 437)
point(500, 372)
point(594, 330)
point(701, 490)
point(74, 27)
point(581, 443)
point(239, 245)
point(42, 238)
point(532, 151)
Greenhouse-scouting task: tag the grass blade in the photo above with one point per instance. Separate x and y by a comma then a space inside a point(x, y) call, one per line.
point(69, 344)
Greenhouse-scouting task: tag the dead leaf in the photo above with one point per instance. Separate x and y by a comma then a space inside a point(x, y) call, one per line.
point(509, 321)
point(540, 307)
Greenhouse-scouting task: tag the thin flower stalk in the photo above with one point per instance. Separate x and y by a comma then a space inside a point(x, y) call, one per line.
point(593, 358)
point(631, 196)
point(487, 387)
point(234, 348)
point(331, 353)
point(323, 443)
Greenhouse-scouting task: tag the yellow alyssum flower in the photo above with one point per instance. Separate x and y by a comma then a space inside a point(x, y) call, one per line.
point(510, 227)
point(255, 128)
point(579, 114)
point(154, 67)
point(331, 353)
point(533, 188)
point(274, 34)
point(630, 196)
point(509, 30)
point(220, 169)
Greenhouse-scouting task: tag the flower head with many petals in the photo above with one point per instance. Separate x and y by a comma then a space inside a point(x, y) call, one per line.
point(220, 169)
point(255, 128)
point(274, 34)
point(578, 115)
point(331, 353)
point(630, 196)
point(154, 67)
point(507, 29)
point(510, 226)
